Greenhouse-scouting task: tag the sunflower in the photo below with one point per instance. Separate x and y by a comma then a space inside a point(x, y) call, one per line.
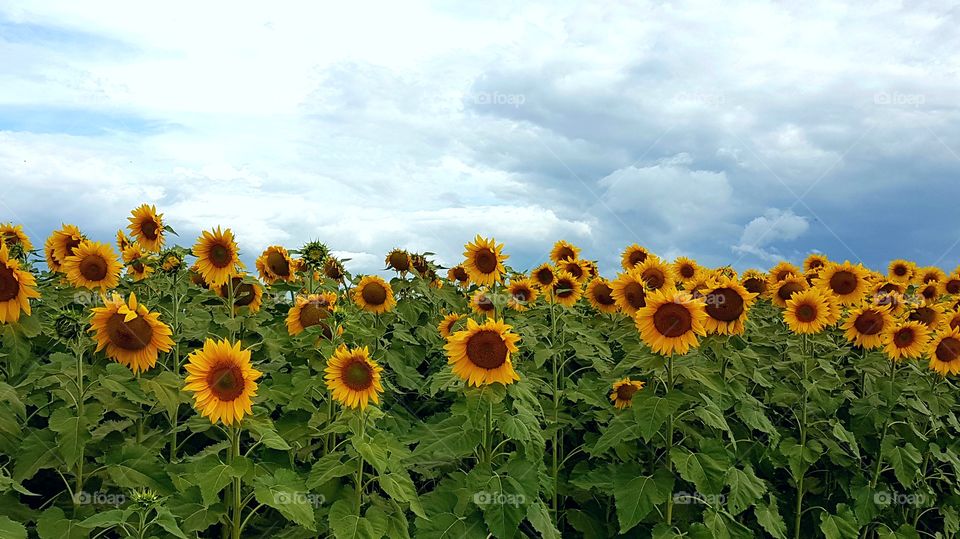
point(671, 321)
point(482, 303)
point(901, 271)
point(905, 340)
point(484, 261)
point(578, 269)
point(931, 274)
point(928, 315)
point(755, 281)
point(374, 295)
point(17, 286)
point(930, 292)
point(333, 269)
point(951, 283)
point(122, 241)
point(781, 291)
point(480, 354)
point(781, 271)
point(866, 325)
point(655, 273)
point(629, 291)
point(64, 241)
point(146, 226)
point(684, 270)
point(544, 275)
point(274, 264)
point(632, 256)
point(49, 250)
point(399, 261)
point(845, 281)
point(808, 311)
point(13, 235)
point(314, 254)
point(217, 256)
point(197, 278)
point(952, 320)
point(727, 305)
point(222, 380)
point(566, 289)
point(132, 335)
point(623, 392)
point(815, 262)
point(458, 275)
point(563, 250)
point(592, 269)
point(93, 265)
point(420, 264)
point(600, 295)
point(134, 258)
point(944, 351)
point(311, 310)
point(171, 261)
point(445, 327)
point(522, 294)
point(245, 294)
point(353, 377)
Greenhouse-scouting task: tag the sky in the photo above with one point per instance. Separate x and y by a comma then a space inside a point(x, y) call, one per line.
point(739, 132)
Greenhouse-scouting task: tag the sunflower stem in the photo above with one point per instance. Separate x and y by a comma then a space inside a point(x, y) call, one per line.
point(803, 441)
point(670, 425)
point(176, 361)
point(236, 498)
point(359, 485)
point(80, 413)
point(886, 428)
point(556, 417)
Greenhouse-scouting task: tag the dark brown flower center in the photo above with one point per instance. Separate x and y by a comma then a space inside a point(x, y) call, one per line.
point(672, 320)
point(565, 288)
point(332, 270)
point(71, 245)
point(904, 337)
point(486, 349)
point(843, 282)
point(374, 294)
point(755, 285)
point(890, 287)
point(243, 293)
point(724, 304)
point(9, 286)
point(687, 271)
point(626, 392)
point(357, 375)
point(929, 292)
point(635, 295)
point(460, 274)
point(637, 257)
point(312, 313)
point(806, 313)
point(149, 229)
point(485, 260)
point(226, 381)
point(869, 323)
point(603, 294)
point(900, 270)
point(948, 350)
point(783, 274)
point(787, 291)
point(574, 269)
point(953, 286)
point(220, 255)
point(278, 264)
point(133, 335)
point(654, 278)
point(816, 263)
point(924, 315)
point(93, 268)
point(544, 276)
point(484, 303)
point(521, 294)
point(399, 261)
point(565, 252)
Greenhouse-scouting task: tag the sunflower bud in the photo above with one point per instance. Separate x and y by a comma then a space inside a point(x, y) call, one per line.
point(314, 253)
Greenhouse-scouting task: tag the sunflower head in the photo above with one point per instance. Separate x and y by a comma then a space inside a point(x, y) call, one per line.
point(931, 274)
point(629, 291)
point(246, 293)
point(944, 351)
point(482, 304)
point(15, 239)
point(171, 260)
point(781, 291)
point(459, 275)
point(865, 325)
point(901, 271)
point(122, 241)
point(131, 334)
point(274, 264)
point(314, 254)
point(399, 261)
point(845, 281)
point(781, 271)
point(727, 304)
point(333, 269)
point(951, 283)
point(623, 392)
point(685, 269)
point(420, 264)
point(600, 295)
point(632, 256)
point(373, 294)
point(522, 293)
point(655, 273)
point(815, 262)
point(566, 289)
point(671, 322)
point(218, 257)
point(905, 340)
point(146, 227)
point(353, 377)
point(808, 311)
point(480, 354)
point(577, 268)
point(928, 315)
point(484, 261)
point(755, 281)
point(222, 380)
point(93, 265)
point(64, 241)
point(929, 292)
point(446, 326)
point(17, 286)
point(136, 261)
point(543, 276)
point(563, 250)
point(312, 310)
point(49, 250)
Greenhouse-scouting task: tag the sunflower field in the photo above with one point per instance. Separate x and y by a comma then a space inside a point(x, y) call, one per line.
point(151, 389)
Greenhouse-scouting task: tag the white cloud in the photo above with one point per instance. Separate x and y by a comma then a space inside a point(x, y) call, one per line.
point(763, 232)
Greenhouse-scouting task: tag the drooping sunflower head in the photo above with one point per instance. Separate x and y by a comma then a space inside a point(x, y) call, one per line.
point(931, 274)
point(901, 271)
point(944, 351)
point(865, 325)
point(17, 286)
point(629, 291)
point(931, 315)
point(623, 392)
point(197, 278)
point(781, 271)
point(246, 293)
point(218, 257)
point(222, 380)
point(632, 256)
point(846, 282)
point(781, 291)
point(578, 268)
point(447, 325)
point(905, 340)
point(671, 322)
point(655, 273)
point(544, 275)
point(563, 250)
point(333, 269)
point(480, 354)
point(727, 304)
point(808, 311)
point(373, 294)
point(311, 310)
point(685, 270)
point(274, 264)
point(420, 264)
point(459, 276)
point(566, 289)
point(482, 303)
point(122, 241)
point(399, 261)
point(93, 265)
point(600, 295)
point(64, 241)
point(755, 281)
point(136, 261)
point(171, 260)
point(523, 293)
point(484, 261)
point(815, 262)
point(131, 334)
point(15, 238)
point(353, 377)
point(146, 227)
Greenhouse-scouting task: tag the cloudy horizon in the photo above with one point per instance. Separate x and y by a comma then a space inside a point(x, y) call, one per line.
point(737, 133)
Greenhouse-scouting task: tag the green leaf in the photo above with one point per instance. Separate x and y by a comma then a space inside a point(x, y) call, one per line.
point(844, 435)
point(327, 468)
point(53, 524)
point(11, 530)
point(266, 434)
point(700, 469)
point(768, 516)
point(905, 460)
point(104, 519)
point(539, 517)
point(286, 492)
point(651, 412)
point(635, 497)
point(166, 521)
point(745, 489)
point(345, 523)
point(842, 525)
point(214, 480)
point(400, 487)
point(72, 434)
point(622, 429)
point(166, 388)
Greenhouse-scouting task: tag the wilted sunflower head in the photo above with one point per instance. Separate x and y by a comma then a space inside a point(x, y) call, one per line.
point(333, 269)
point(314, 254)
point(420, 264)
